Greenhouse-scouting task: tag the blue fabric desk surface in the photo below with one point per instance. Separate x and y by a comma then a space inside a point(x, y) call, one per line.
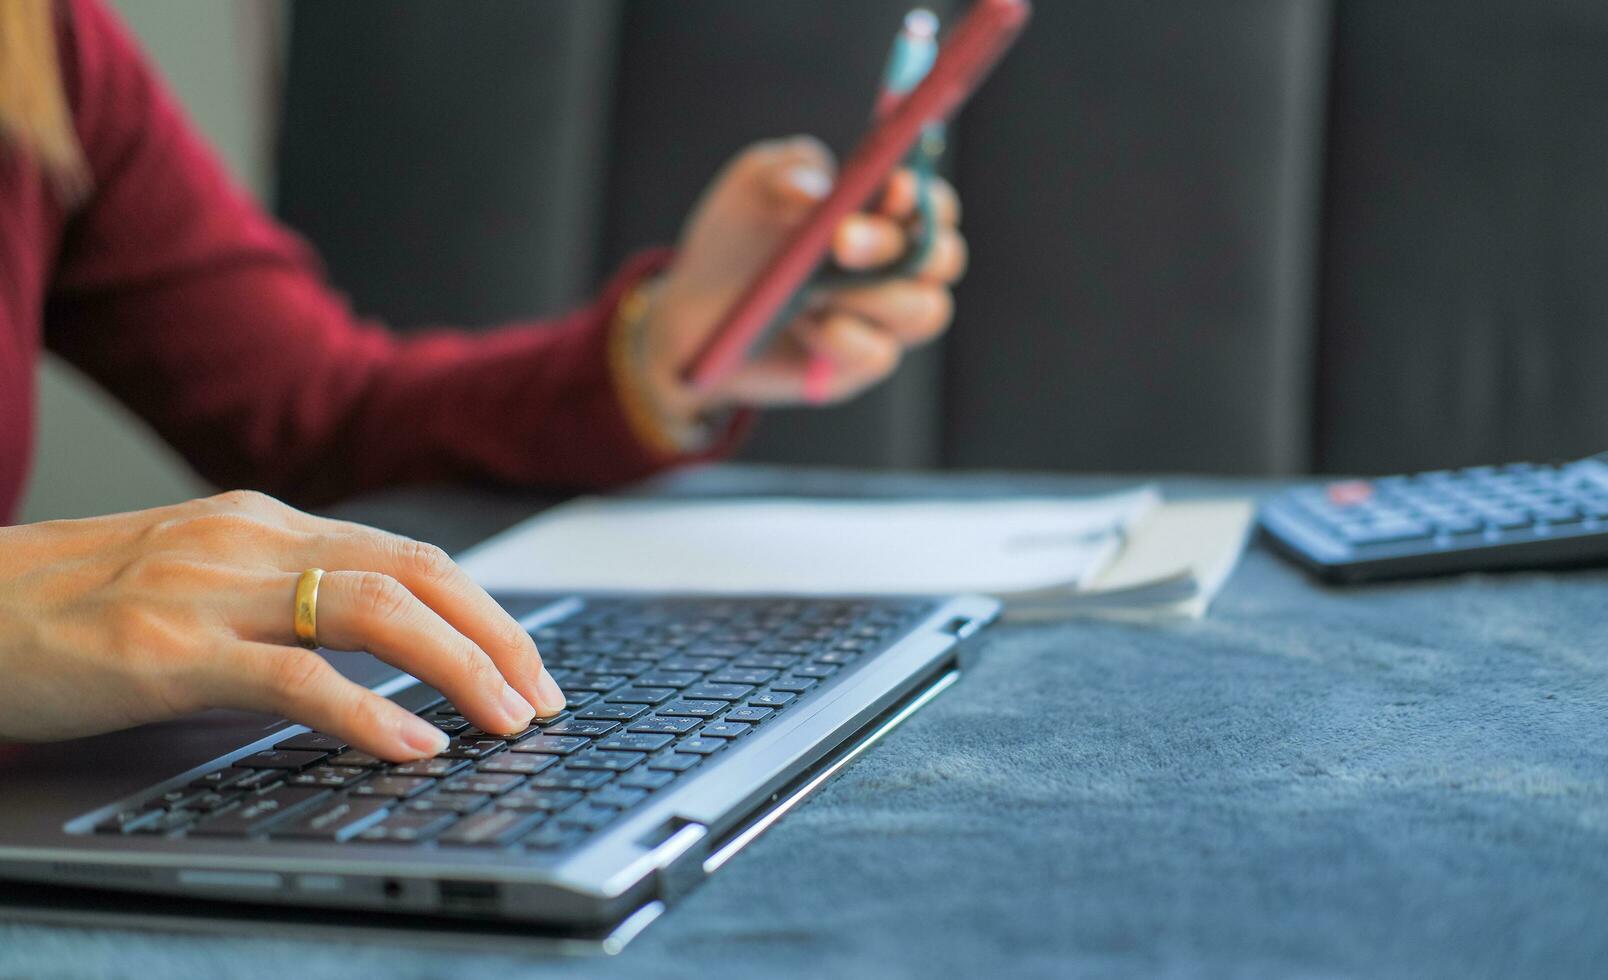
point(1399, 780)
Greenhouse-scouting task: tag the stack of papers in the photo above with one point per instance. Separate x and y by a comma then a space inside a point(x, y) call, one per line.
point(1127, 555)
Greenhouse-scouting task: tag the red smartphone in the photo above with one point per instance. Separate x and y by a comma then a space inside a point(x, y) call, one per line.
point(974, 46)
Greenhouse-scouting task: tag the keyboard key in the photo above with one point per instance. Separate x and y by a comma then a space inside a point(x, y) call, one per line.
point(439, 802)
point(636, 742)
point(553, 744)
point(577, 700)
point(535, 798)
point(618, 796)
point(488, 783)
point(577, 727)
point(701, 746)
point(398, 787)
point(641, 695)
point(338, 820)
point(312, 742)
point(552, 837)
point(408, 827)
point(692, 709)
point(473, 748)
point(209, 801)
point(357, 760)
point(750, 676)
point(127, 821)
point(665, 726)
point(329, 777)
point(275, 759)
point(524, 764)
point(571, 779)
point(612, 712)
point(772, 699)
point(438, 768)
point(594, 683)
point(587, 816)
point(675, 762)
point(259, 780)
point(260, 812)
point(492, 828)
point(451, 724)
point(719, 692)
point(699, 665)
point(178, 799)
point(220, 779)
point(724, 729)
point(769, 661)
point(477, 733)
point(669, 678)
point(612, 761)
point(794, 685)
point(166, 822)
point(649, 779)
point(748, 714)
point(838, 657)
point(817, 671)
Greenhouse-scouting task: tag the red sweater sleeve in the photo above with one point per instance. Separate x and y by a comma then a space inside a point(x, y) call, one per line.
point(211, 321)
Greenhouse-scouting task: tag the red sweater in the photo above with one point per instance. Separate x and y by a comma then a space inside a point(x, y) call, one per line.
point(172, 289)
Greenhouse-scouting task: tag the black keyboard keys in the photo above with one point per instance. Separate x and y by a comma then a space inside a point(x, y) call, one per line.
point(665, 726)
point(612, 712)
point(553, 744)
point(576, 727)
point(258, 813)
point(312, 742)
point(692, 709)
point(408, 827)
point(396, 787)
point(496, 827)
point(337, 820)
point(276, 759)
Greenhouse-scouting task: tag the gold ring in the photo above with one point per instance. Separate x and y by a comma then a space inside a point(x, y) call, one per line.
point(307, 607)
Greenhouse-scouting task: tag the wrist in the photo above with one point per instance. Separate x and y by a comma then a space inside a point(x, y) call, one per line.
point(665, 413)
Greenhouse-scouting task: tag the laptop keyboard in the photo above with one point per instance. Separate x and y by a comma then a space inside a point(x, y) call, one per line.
point(656, 689)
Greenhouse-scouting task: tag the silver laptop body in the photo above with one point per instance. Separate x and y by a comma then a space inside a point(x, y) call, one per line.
point(53, 795)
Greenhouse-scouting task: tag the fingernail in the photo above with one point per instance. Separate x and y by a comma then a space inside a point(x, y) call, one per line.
point(857, 237)
point(551, 697)
point(517, 707)
point(422, 737)
point(810, 181)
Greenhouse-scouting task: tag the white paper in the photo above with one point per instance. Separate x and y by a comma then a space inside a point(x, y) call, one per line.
point(1172, 566)
point(810, 546)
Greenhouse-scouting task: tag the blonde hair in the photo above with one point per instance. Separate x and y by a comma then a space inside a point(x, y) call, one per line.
point(34, 115)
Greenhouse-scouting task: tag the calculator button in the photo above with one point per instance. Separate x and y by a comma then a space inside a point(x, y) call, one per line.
point(1457, 525)
point(1385, 533)
point(1349, 493)
point(1558, 514)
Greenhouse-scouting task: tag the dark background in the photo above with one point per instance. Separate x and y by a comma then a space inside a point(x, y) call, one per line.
point(1242, 236)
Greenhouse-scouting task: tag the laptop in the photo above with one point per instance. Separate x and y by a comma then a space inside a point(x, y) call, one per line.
point(693, 724)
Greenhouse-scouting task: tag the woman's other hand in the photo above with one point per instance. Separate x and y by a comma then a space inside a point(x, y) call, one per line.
point(858, 333)
point(115, 621)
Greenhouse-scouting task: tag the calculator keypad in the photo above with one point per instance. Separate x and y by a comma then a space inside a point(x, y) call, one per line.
point(1449, 508)
point(1483, 502)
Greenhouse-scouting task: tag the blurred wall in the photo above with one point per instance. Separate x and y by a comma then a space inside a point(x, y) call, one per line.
point(93, 457)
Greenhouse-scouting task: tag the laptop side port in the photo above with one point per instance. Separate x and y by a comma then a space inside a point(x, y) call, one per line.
point(469, 897)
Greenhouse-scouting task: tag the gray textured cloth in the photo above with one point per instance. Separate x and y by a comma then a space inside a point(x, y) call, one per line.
point(1403, 780)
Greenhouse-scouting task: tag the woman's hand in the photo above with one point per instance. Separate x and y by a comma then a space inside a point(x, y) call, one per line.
point(861, 333)
point(115, 621)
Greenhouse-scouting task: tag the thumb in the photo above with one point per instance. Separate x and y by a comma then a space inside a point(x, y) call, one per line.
point(794, 175)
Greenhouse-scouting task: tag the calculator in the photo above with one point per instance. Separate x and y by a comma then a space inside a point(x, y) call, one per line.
point(1522, 515)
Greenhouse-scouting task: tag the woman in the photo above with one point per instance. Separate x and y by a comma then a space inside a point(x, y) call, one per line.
point(124, 249)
